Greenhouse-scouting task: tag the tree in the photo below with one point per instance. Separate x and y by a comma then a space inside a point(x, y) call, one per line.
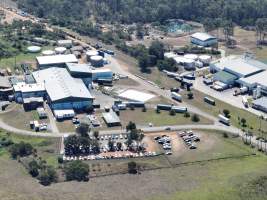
point(131, 126)
point(226, 113)
point(83, 130)
point(186, 114)
point(190, 95)
point(34, 168)
point(111, 145)
point(77, 170)
point(119, 145)
point(21, 149)
point(157, 49)
point(144, 109)
point(172, 112)
point(44, 178)
point(243, 122)
point(143, 62)
point(132, 167)
point(261, 28)
point(96, 134)
point(60, 159)
point(195, 118)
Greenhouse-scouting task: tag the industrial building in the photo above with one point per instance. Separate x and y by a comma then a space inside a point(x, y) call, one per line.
point(55, 60)
point(240, 66)
point(252, 82)
point(63, 91)
point(260, 104)
point(23, 90)
point(203, 39)
point(243, 71)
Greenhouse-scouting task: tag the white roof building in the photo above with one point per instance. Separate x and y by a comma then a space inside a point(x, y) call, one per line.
point(56, 60)
point(241, 67)
point(202, 36)
point(259, 79)
point(60, 85)
point(24, 87)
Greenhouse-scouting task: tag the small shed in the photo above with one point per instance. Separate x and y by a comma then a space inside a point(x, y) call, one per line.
point(111, 119)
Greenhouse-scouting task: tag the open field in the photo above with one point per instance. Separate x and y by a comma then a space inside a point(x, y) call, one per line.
point(236, 178)
point(20, 119)
point(157, 119)
point(252, 120)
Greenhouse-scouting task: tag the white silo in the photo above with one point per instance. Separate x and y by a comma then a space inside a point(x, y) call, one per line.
point(48, 53)
point(97, 61)
point(60, 50)
point(34, 49)
point(90, 54)
point(191, 56)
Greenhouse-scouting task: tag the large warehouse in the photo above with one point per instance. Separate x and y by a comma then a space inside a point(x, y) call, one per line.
point(240, 67)
point(203, 39)
point(252, 82)
point(64, 91)
point(55, 60)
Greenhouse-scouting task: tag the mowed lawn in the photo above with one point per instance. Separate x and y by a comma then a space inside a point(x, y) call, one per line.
point(253, 121)
point(157, 119)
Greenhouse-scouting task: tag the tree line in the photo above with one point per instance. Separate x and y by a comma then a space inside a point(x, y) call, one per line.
point(244, 12)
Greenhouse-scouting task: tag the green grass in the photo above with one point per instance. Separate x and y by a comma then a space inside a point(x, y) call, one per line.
point(223, 180)
point(157, 119)
point(252, 120)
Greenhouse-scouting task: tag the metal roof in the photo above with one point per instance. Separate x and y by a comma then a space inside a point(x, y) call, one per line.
point(225, 76)
point(203, 36)
point(240, 66)
point(259, 78)
point(111, 117)
point(60, 85)
point(56, 59)
point(261, 102)
point(24, 87)
point(79, 68)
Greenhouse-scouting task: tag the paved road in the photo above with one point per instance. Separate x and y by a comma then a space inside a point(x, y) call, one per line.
point(52, 120)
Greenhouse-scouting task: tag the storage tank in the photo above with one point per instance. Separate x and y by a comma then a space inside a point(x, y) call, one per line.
point(191, 56)
point(34, 49)
point(189, 64)
point(97, 61)
point(60, 50)
point(91, 53)
point(48, 53)
point(206, 59)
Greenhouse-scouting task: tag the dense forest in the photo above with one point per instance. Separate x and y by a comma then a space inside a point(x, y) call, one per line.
point(241, 12)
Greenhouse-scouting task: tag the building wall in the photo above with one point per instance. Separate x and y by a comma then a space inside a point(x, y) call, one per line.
point(204, 43)
point(19, 95)
point(102, 75)
point(79, 105)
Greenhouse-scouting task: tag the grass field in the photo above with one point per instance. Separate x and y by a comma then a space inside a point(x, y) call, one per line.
point(236, 178)
point(20, 119)
point(157, 119)
point(253, 122)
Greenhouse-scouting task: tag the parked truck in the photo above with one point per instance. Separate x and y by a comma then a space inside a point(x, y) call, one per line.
point(209, 101)
point(245, 101)
point(176, 96)
point(224, 120)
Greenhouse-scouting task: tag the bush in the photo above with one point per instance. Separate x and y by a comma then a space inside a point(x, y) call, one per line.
point(225, 135)
point(132, 167)
point(60, 159)
point(195, 118)
point(21, 149)
point(77, 170)
point(172, 112)
point(186, 114)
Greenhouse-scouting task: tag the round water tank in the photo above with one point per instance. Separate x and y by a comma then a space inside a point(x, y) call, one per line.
point(91, 53)
point(48, 53)
point(191, 56)
point(60, 50)
point(34, 49)
point(97, 61)
point(206, 59)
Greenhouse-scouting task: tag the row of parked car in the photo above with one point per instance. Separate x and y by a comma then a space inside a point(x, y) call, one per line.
point(190, 138)
point(115, 156)
point(165, 141)
point(114, 137)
